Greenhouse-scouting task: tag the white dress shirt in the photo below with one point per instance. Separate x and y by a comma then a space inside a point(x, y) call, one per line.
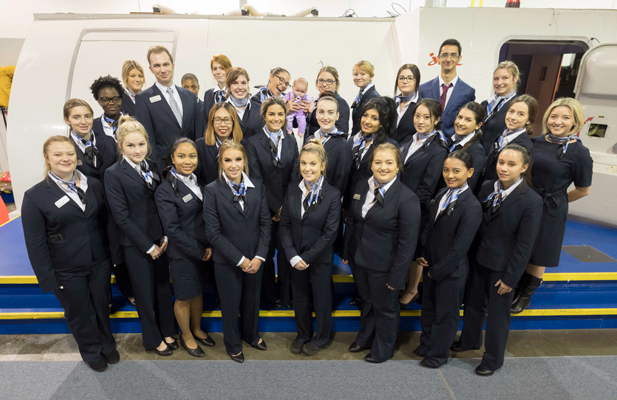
point(402, 111)
point(240, 111)
point(191, 182)
point(415, 146)
point(174, 93)
point(441, 82)
point(108, 129)
point(370, 195)
point(83, 185)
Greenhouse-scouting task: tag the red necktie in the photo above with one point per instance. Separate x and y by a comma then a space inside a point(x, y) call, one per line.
point(444, 95)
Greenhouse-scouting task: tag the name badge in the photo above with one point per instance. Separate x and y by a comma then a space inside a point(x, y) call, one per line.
point(356, 197)
point(62, 201)
point(154, 99)
point(187, 198)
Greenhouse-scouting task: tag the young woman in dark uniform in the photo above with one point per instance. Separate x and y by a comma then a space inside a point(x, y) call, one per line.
point(505, 84)
point(467, 137)
point(562, 160)
point(309, 225)
point(423, 154)
point(108, 92)
point(239, 97)
point(273, 160)
point(219, 65)
point(407, 83)
point(520, 117)
point(278, 82)
point(64, 218)
point(363, 73)
point(134, 80)
point(510, 221)
point(328, 82)
point(452, 224)
point(238, 227)
point(130, 185)
point(179, 200)
point(380, 240)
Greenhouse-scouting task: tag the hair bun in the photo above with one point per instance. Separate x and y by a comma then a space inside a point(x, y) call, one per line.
point(125, 118)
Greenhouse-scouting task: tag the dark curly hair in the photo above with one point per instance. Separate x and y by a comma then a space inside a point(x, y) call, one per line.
point(103, 82)
point(386, 108)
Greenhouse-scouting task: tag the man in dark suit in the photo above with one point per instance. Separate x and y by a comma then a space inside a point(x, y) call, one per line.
point(448, 88)
point(167, 111)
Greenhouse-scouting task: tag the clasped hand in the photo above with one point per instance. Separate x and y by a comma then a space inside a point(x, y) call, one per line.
point(250, 266)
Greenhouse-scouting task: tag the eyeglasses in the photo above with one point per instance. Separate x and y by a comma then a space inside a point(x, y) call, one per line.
point(226, 121)
point(406, 79)
point(283, 81)
point(453, 56)
point(115, 99)
point(326, 81)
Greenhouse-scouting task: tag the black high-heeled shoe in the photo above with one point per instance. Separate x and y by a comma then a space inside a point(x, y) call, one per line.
point(198, 352)
point(238, 358)
point(206, 342)
point(173, 345)
point(260, 345)
point(165, 353)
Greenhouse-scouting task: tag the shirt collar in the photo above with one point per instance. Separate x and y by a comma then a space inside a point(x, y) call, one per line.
point(187, 180)
point(163, 89)
point(370, 85)
point(453, 82)
point(498, 186)
point(466, 139)
point(83, 180)
point(245, 179)
point(371, 184)
point(132, 164)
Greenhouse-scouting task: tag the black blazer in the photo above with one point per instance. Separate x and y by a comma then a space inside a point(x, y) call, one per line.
point(63, 238)
point(506, 238)
point(476, 151)
point(450, 236)
point(208, 103)
point(385, 240)
point(338, 151)
point(490, 172)
point(108, 151)
point(423, 169)
point(128, 107)
point(494, 125)
point(251, 123)
point(342, 124)
point(182, 219)
point(406, 127)
point(132, 205)
point(310, 236)
point(276, 180)
point(357, 110)
point(232, 232)
point(161, 124)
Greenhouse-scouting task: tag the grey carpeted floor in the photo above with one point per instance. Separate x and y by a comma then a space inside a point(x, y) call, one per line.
point(521, 378)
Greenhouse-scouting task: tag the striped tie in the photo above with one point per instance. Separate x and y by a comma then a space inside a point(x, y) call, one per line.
point(174, 106)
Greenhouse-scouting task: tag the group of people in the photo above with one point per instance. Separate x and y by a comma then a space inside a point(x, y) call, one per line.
point(426, 185)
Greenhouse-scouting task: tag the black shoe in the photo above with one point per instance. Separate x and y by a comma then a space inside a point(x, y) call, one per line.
point(287, 304)
point(413, 300)
point(309, 349)
point(419, 352)
point(456, 346)
point(173, 345)
point(261, 345)
point(484, 372)
point(296, 347)
point(165, 353)
point(113, 357)
point(198, 352)
point(369, 358)
point(354, 348)
point(239, 358)
point(355, 301)
point(527, 290)
point(277, 305)
point(425, 365)
point(206, 342)
point(98, 365)
point(517, 289)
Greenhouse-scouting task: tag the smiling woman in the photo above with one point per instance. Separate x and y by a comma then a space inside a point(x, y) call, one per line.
point(108, 92)
point(134, 80)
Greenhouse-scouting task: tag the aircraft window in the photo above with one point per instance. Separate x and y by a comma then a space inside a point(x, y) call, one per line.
point(597, 130)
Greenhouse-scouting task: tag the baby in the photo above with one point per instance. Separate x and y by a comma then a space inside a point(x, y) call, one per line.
point(297, 94)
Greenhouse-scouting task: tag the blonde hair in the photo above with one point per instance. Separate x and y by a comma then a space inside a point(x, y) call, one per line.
point(231, 145)
point(391, 148)
point(365, 67)
point(221, 59)
point(48, 142)
point(512, 69)
point(314, 146)
point(302, 80)
point(236, 133)
point(159, 50)
point(127, 67)
point(126, 125)
point(576, 109)
point(72, 103)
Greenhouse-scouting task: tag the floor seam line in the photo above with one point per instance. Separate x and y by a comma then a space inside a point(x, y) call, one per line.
point(443, 379)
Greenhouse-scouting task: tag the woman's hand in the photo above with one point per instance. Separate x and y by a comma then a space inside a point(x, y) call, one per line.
point(503, 288)
point(277, 216)
point(304, 106)
point(245, 264)
point(208, 254)
point(254, 265)
point(301, 265)
point(311, 106)
point(292, 107)
point(156, 253)
point(422, 262)
point(390, 287)
point(163, 245)
point(344, 261)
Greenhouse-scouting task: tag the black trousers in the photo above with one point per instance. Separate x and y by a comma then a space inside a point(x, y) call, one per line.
point(239, 292)
point(150, 281)
point(84, 299)
point(272, 291)
point(440, 318)
point(481, 298)
point(119, 269)
point(123, 280)
point(379, 312)
point(316, 280)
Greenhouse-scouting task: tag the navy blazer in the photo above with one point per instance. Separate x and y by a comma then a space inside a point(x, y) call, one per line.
point(132, 205)
point(161, 124)
point(128, 107)
point(506, 238)
point(342, 124)
point(276, 180)
point(208, 103)
point(476, 151)
point(108, 151)
point(490, 172)
point(462, 94)
point(406, 127)
point(423, 169)
point(62, 239)
point(235, 233)
point(494, 125)
point(338, 151)
point(251, 122)
point(385, 239)
point(358, 110)
point(312, 235)
point(182, 219)
point(451, 234)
